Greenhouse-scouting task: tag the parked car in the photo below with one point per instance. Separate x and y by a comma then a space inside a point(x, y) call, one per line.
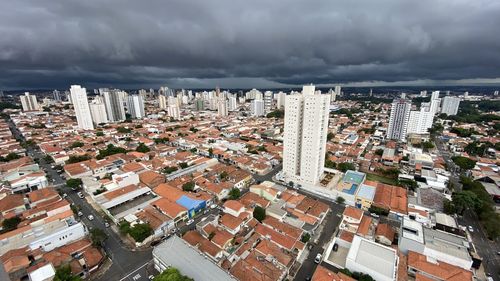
point(80, 194)
point(213, 206)
point(470, 228)
point(189, 222)
point(374, 215)
point(335, 247)
point(318, 258)
point(64, 195)
point(80, 214)
point(90, 217)
point(106, 224)
point(151, 277)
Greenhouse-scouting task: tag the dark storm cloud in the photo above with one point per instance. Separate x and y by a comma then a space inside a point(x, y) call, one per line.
point(269, 43)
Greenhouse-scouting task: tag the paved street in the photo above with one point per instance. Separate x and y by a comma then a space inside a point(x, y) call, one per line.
point(331, 223)
point(451, 167)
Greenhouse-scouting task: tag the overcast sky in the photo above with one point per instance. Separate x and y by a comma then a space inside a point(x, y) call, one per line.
point(205, 43)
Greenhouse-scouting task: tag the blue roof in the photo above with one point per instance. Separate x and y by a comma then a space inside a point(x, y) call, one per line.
point(188, 203)
point(354, 177)
point(366, 192)
point(351, 190)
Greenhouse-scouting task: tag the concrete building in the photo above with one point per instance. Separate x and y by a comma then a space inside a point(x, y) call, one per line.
point(420, 121)
point(281, 100)
point(29, 102)
point(113, 100)
point(257, 108)
point(306, 124)
point(135, 105)
point(173, 109)
point(98, 111)
point(376, 260)
point(56, 95)
point(175, 252)
point(232, 103)
point(435, 102)
point(222, 107)
point(162, 102)
point(268, 102)
point(450, 105)
point(81, 106)
point(435, 244)
point(398, 120)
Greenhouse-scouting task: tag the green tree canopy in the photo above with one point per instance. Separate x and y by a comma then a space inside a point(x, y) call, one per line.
point(74, 183)
point(465, 200)
point(142, 148)
point(259, 213)
point(188, 186)
point(97, 236)
point(463, 162)
point(234, 193)
point(344, 166)
point(140, 231)
point(172, 274)
point(63, 273)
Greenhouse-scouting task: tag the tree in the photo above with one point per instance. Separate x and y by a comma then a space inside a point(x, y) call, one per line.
point(77, 158)
point(259, 213)
point(188, 186)
point(169, 169)
point(10, 223)
point(465, 200)
point(63, 273)
point(330, 136)
point(379, 152)
point(344, 166)
point(223, 175)
point(124, 227)
point(142, 148)
point(340, 200)
point(183, 165)
point(463, 162)
point(172, 274)
point(74, 183)
point(76, 144)
point(140, 231)
point(234, 193)
point(110, 150)
point(276, 114)
point(99, 133)
point(427, 145)
point(210, 152)
point(48, 159)
point(448, 207)
point(123, 130)
point(97, 236)
point(305, 237)
point(330, 164)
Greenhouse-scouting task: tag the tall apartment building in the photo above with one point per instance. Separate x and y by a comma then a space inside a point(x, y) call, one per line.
point(268, 101)
point(306, 124)
point(81, 106)
point(257, 108)
point(232, 103)
point(113, 100)
point(98, 111)
point(398, 120)
point(281, 100)
point(222, 107)
point(135, 105)
point(29, 102)
point(56, 95)
point(450, 105)
point(435, 101)
point(162, 102)
point(173, 110)
point(199, 104)
point(420, 121)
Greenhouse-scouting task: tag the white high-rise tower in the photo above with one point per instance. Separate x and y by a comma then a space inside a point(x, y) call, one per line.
point(306, 124)
point(398, 120)
point(450, 105)
point(98, 111)
point(29, 102)
point(81, 105)
point(135, 105)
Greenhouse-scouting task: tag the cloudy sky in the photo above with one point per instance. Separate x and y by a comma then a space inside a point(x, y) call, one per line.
point(200, 43)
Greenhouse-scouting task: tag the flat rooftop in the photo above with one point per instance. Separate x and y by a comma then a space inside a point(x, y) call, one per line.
point(374, 256)
point(177, 253)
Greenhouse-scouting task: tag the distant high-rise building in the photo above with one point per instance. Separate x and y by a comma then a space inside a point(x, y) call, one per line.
point(113, 100)
point(199, 104)
point(420, 121)
point(232, 103)
point(56, 95)
point(29, 102)
point(81, 106)
point(257, 108)
point(163, 102)
point(450, 105)
point(398, 120)
point(306, 125)
point(135, 105)
point(98, 111)
point(466, 94)
point(281, 100)
point(268, 101)
point(222, 107)
point(337, 93)
point(435, 101)
point(173, 110)
point(423, 94)
point(1, 94)
point(495, 93)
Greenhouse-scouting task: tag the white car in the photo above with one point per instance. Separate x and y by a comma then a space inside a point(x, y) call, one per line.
point(317, 259)
point(470, 228)
point(80, 214)
point(90, 217)
point(213, 206)
point(189, 222)
point(80, 195)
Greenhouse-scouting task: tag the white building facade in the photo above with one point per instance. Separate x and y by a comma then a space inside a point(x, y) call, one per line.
point(135, 104)
point(29, 102)
point(98, 111)
point(450, 105)
point(81, 106)
point(306, 124)
point(398, 120)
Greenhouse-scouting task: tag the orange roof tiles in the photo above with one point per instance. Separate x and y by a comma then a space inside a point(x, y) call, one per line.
point(234, 205)
point(352, 212)
point(440, 270)
point(170, 208)
point(391, 197)
point(323, 274)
